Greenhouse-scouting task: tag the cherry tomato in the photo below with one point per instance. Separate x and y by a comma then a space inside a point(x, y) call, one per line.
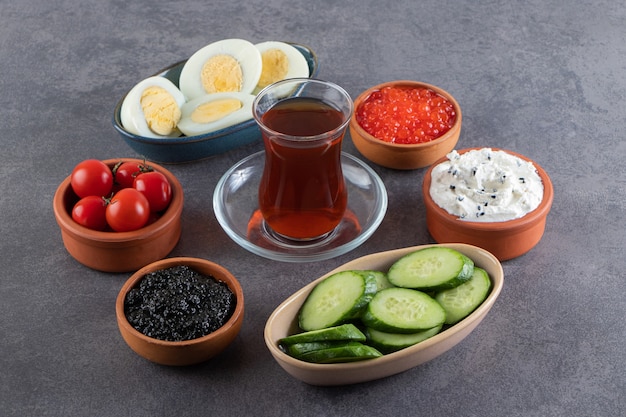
point(126, 172)
point(90, 212)
point(91, 177)
point(128, 210)
point(157, 189)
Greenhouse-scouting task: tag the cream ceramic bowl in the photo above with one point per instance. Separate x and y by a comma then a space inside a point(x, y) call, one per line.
point(283, 322)
point(187, 352)
point(404, 156)
point(506, 240)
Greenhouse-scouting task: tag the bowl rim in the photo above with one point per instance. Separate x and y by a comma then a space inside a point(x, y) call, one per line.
point(233, 284)
point(514, 224)
point(68, 225)
point(185, 140)
point(449, 333)
point(354, 124)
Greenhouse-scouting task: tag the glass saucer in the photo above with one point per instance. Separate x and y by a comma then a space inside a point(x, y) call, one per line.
point(235, 204)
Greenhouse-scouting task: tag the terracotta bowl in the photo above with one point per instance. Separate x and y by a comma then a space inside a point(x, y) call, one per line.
point(187, 352)
point(404, 156)
point(119, 251)
point(507, 239)
point(284, 321)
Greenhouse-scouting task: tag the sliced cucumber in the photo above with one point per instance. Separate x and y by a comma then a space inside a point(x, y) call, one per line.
point(403, 310)
point(337, 299)
point(344, 332)
point(460, 301)
point(382, 282)
point(346, 353)
point(298, 349)
point(391, 342)
point(431, 269)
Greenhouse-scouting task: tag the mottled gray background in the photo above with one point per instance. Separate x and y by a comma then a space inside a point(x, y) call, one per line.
point(544, 78)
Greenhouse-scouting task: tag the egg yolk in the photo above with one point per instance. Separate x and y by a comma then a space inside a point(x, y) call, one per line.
point(215, 110)
point(160, 110)
point(221, 74)
point(275, 67)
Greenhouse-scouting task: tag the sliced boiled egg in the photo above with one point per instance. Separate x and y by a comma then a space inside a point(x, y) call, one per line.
point(226, 66)
point(280, 61)
point(152, 108)
point(212, 112)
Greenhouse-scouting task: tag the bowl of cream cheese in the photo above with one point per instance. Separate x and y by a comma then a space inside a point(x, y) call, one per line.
point(491, 198)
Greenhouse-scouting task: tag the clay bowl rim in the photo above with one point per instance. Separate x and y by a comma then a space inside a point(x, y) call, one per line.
point(392, 363)
point(354, 124)
point(509, 225)
point(231, 281)
point(68, 224)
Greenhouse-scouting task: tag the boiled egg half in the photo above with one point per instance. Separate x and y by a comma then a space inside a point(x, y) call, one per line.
point(152, 108)
point(211, 112)
point(280, 61)
point(226, 66)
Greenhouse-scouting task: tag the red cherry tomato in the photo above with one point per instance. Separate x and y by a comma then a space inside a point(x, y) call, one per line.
point(157, 189)
point(128, 210)
point(92, 177)
point(90, 212)
point(126, 172)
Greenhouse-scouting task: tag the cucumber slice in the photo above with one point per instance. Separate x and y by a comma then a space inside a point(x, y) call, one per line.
point(347, 353)
point(382, 282)
point(460, 301)
point(339, 298)
point(344, 332)
point(431, 269)
point(403, 310)
point(298, 349)
point(392, 342)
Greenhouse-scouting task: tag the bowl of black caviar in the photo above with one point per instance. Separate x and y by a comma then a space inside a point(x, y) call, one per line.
point(180, 311)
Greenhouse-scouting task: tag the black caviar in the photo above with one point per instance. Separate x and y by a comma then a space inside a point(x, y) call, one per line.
point(178, 303)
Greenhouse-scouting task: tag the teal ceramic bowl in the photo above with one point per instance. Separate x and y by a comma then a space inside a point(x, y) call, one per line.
point(192, 148)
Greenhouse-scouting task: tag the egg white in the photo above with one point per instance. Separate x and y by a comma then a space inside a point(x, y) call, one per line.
point(131, 113)
point(297, 64)
point(191, 128)
point(243, 51)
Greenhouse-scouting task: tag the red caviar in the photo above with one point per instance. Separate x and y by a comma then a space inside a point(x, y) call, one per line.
point(406, 115)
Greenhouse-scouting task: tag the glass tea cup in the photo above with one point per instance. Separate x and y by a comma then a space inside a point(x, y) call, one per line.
point(302, 193)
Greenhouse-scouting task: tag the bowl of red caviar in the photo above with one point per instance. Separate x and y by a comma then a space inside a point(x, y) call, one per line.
point(180, 311)
point(405, 124)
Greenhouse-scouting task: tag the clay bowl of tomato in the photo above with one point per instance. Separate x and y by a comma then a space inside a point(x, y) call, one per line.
point(405, 124)
point(198, 329)
point(133, 235)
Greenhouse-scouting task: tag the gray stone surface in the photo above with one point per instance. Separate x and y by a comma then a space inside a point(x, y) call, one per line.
point(543, 78)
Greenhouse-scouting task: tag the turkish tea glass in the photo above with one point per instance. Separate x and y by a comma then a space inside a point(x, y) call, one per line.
point(302, 193)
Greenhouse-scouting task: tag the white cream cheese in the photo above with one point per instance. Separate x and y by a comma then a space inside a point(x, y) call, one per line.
point(484, 185)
